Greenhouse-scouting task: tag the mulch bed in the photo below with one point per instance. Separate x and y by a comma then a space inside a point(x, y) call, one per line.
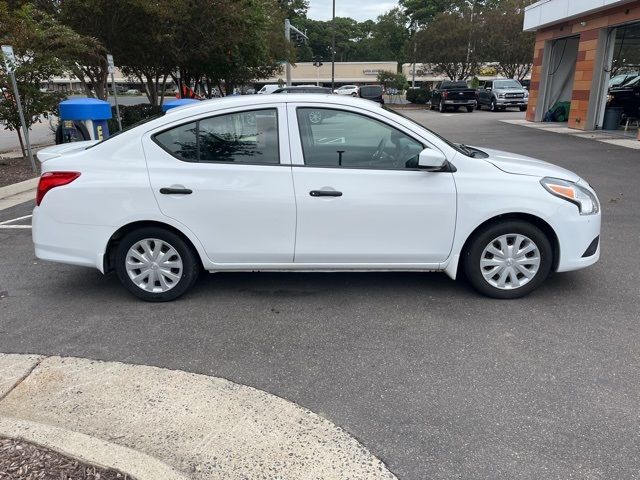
point(13, 170)
point(24, 461)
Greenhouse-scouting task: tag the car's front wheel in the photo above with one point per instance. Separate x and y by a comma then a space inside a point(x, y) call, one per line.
point(508, 259)
point(155, 264)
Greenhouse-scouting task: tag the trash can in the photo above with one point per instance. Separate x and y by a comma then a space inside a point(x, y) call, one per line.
point(612, 118)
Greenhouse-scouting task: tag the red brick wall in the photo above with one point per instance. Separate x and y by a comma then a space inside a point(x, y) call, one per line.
point(585, 65)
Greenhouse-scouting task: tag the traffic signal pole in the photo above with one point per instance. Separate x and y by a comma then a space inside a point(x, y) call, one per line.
point(288, 28)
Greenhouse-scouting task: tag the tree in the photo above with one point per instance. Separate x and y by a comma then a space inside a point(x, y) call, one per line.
point(31, 32)
point(385, 39)
point(507, 45)
point(294, 9)
point(449, 43)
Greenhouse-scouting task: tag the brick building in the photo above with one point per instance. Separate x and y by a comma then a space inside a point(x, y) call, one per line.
point(580, 45)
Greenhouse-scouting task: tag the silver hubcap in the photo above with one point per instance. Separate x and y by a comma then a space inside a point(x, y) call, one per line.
point(154, 265)
point(510, 261)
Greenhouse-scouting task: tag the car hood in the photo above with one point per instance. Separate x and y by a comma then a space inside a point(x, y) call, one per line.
point(521, 165)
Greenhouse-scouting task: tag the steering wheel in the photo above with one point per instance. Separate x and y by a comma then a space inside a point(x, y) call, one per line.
point(377, 155)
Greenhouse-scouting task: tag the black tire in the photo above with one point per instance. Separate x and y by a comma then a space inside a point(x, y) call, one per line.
point(523, 109)
point(470, 109)
point(472, 255)
point(442, 108)
point(478, 106)
point(494, 106)
point(191, 265)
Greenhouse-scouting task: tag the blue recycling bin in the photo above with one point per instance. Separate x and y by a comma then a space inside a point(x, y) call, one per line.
point(84, 117)
point(179, 102)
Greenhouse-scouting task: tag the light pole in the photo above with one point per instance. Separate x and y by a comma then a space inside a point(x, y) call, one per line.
point(473, 5)
point(288, 28)
point(333, 47)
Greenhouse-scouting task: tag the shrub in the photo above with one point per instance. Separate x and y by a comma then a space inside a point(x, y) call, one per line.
point(132, 114)
point(418, 96)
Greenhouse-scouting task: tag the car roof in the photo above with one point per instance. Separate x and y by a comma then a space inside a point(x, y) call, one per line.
point(256, 100)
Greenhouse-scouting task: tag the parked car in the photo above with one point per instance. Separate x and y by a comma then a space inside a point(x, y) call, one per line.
point(315, 116)
point(250, 184)
point(627, 96)
point(452, 94)
point(347, 90)
point(132, 91)
point(375, 93)
point(304, 89)
point(620, 80)
point(502, 94)
point(267, 89)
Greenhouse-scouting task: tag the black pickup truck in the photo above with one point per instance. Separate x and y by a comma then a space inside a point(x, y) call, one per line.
point(452, 94)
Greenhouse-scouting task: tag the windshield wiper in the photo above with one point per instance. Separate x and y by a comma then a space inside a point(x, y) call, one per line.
point(468, 151)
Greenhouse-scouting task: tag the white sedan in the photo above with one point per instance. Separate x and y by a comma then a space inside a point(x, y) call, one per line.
point(252, 184)
point(347, 90)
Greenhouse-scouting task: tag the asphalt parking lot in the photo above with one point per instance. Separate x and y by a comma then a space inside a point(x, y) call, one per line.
point(435, 380)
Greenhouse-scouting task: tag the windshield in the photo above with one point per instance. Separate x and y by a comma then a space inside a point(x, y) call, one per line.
point(507, 84)
point(463, 149)
point(633, 83)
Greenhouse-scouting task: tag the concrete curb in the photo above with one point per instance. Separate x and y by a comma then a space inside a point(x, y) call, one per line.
point(20, 187)
point(89, 450)
point(202, 426)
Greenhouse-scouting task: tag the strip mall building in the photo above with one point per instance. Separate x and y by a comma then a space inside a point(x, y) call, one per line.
point(577, 44)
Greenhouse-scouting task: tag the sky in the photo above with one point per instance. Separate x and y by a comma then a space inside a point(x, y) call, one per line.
point(357, 9)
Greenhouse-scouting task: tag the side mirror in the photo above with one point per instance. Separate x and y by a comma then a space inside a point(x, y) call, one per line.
point(431, 160)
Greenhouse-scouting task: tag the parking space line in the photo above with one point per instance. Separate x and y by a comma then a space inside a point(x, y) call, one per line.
point(15, 226)
point(15, 219)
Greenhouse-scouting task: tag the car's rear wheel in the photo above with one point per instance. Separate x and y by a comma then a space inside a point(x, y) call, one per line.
point(508, 259)
point(470, 109)
point(443, 107)
point(155, 264)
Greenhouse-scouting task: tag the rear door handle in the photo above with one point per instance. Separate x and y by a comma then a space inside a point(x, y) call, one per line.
point(175, 191)
point(325, 193)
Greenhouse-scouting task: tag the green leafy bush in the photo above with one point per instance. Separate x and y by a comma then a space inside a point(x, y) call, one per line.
point(418, 96)
point(132, 114)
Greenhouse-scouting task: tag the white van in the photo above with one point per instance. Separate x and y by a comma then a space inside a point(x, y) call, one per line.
point(268, 89)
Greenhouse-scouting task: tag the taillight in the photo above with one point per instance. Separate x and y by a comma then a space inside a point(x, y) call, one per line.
point(51, 180)
point(445, 94)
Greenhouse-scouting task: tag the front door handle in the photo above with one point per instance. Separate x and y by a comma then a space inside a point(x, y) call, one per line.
point(175, 191)
point(325, 193)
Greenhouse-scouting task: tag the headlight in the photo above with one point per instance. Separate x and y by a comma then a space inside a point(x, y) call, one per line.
point(585, 200)
point(501, 95)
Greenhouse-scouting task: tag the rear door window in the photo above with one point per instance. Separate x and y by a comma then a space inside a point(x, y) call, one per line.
point(243, 137)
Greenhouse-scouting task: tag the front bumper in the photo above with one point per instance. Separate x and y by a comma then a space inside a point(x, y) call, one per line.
point(512, 102)
point(576, 235)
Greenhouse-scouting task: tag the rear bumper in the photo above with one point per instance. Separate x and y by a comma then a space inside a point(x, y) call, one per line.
point(70, 243)
point(460, 102)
